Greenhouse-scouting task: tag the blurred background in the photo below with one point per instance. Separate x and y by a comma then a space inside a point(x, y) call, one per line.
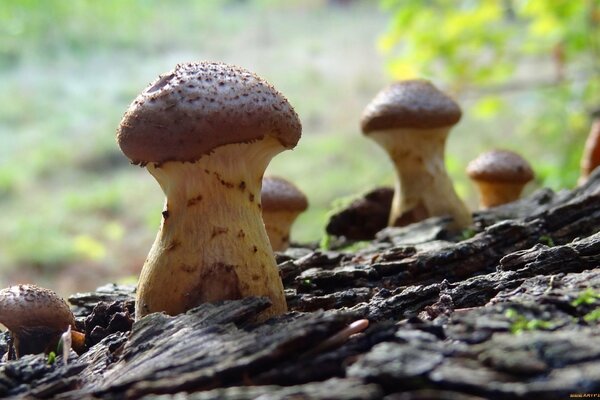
point(76, 214)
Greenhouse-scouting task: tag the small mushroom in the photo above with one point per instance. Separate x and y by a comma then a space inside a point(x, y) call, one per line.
point(591, 152)
point(500, 176)
point(36, 318)
point(206, 132)
point(411, 120)
point(282, 202)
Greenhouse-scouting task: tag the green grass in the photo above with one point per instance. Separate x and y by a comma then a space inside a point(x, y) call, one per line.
point(69, 69)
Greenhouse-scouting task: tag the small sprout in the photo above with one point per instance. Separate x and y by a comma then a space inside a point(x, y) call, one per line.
point(467, 233)
point(592, 316)
point(66, 344)
point(547, 240)
point(306, 282)
point(51, 358)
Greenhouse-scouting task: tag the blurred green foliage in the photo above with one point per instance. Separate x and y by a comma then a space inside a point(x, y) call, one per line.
point(76, 210)
point(541, 57)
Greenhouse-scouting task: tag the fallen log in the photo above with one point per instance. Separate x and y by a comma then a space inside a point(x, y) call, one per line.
point(510, 312)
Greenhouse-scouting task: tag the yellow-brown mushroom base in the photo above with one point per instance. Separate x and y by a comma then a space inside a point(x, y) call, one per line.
point(212, 244)
point(278, 225)
point(492, 194)
point(423, 188)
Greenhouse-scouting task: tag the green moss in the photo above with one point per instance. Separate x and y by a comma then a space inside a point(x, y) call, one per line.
point(592, 316)
point(547, 240)
point(467, 233)
point(520, 323)
point(588, 296)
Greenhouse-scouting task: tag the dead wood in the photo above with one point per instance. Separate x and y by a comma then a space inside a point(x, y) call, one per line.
point(509, 310)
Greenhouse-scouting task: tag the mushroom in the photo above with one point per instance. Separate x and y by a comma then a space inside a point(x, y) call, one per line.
point(500, 176)
point(591, 152)
point(36, 318)
point(206, 132)
point(411, 120)
point(282, 202)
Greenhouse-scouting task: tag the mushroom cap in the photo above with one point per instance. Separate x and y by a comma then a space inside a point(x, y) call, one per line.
point(500, 166)
point(410, 104)
point(197, 107)
point(27, 307)
point(279, 194)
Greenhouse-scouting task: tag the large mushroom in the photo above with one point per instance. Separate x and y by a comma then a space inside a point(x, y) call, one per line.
point(500, 176)
point(282, 202)
point(36, 318)
point(206, 132)
point(411, 120)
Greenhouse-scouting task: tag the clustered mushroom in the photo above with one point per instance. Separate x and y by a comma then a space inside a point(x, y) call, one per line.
point(411, 119)
point(206, 132)
point(500, 176)
point(36, 318)
point(282, 202)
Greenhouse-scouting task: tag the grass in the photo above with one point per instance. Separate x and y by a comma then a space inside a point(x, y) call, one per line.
point(77, 214)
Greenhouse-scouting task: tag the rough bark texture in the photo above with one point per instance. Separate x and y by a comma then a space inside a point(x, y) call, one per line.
point(508, 310)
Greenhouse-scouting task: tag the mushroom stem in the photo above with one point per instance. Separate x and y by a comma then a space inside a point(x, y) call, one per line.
point(278, 225)
point(212, 244)
point(497, 193)
point(423, 188)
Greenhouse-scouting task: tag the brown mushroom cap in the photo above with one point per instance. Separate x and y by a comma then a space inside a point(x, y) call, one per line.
point(28, 307)
point(410, 104)
point(500, 166)
point(197, 107)
point(279, 194)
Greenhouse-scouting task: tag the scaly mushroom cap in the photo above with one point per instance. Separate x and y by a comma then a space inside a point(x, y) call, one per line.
point(410, 104)
point(197, 107)
point(279, 194)
point(25, 307)
point(500, 166)
point(35, 316)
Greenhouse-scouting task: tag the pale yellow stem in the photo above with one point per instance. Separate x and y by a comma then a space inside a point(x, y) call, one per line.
point(493, 194)
point(278, 225)
point(423, 187)
point(212, 244)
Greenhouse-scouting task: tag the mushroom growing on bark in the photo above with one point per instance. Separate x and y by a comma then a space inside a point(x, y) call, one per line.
point(206, 132)
point(500, 176)
point(591, 152)
point(36, 318)
point(411, 120)
point(282, 202)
